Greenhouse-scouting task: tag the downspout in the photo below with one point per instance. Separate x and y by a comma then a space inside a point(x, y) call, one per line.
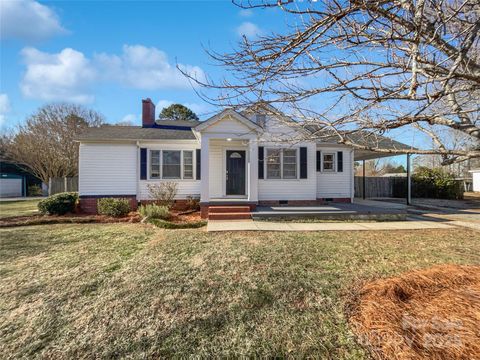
point(138, 171)
point(352, 176)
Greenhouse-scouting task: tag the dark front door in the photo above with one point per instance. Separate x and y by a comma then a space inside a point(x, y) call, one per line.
point(235, 172)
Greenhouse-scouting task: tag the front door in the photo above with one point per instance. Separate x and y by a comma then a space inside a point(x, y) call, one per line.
point(235, 172)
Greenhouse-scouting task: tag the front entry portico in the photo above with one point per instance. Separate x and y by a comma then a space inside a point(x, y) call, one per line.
point(229, 159)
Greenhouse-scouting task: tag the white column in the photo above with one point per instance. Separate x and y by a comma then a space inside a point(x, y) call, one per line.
point(204, 164)
point(253, 170)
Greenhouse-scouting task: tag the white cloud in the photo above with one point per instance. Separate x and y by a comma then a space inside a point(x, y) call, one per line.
point(246, 13)
point(65, 76)
point(69, 75)
point(144, 68)
point(4, 107)
point(130, 118)
point(28, 20)
point(249, 29)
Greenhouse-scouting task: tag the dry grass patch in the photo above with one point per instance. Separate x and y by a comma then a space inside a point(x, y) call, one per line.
point(431, 313)
point(135, 291)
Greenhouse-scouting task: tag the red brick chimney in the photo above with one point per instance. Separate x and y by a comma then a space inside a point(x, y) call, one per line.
point(148, 113)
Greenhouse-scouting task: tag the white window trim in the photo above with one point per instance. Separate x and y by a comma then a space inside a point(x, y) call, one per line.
point(181, 178)
point(334, 160)
point(281, 178)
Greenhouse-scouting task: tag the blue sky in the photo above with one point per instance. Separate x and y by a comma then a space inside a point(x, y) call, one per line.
point(108, 55)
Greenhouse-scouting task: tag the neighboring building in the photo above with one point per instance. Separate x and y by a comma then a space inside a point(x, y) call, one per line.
point(475, 179)
point(15, 181)
point(251, 157)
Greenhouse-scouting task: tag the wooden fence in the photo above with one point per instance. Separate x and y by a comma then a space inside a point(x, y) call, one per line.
point(395, 187)
point(65, 184)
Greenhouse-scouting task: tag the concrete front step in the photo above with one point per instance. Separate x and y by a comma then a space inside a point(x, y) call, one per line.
point(230, 216)
point(228, 209)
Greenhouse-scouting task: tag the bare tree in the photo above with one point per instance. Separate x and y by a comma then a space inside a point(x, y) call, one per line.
point(353, 65)
point(45, 145)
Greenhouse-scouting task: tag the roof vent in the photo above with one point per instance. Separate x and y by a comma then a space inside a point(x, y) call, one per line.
point(260, 119)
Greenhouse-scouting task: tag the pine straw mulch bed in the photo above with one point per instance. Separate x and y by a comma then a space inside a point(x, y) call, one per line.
point(423, 314)
point(180, 218)
point(70, 218)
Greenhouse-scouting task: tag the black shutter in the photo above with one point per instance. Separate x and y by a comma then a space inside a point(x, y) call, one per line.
point(143, 164)
point(319, 160)
point(340, 161)
point(303, 163)
point(199, 164)
point(260, 162)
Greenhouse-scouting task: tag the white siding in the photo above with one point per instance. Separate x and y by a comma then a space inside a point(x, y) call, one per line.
point(291, 189)
point(336, 184)
point(229, 125)
point(108, 169)
point(186, 187)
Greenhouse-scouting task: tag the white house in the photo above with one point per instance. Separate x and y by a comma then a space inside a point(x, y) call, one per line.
point(253, 157)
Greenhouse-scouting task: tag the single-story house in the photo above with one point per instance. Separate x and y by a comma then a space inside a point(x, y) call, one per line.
point(258, 156)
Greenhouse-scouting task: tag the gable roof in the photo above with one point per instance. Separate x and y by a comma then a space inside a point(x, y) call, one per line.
point(227, 112)
point(363, 138)
point(112, 132)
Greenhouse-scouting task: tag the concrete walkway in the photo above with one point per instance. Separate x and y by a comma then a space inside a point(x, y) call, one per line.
point(250, 225)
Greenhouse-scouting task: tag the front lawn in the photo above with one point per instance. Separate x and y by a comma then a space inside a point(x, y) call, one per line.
point(18, 208)
point(128, 290)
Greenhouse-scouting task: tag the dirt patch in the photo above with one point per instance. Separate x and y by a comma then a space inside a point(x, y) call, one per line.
point(67, 218)
point(423, 314)
point(185, 217)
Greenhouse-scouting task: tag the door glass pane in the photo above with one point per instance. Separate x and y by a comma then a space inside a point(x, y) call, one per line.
point(171, 164)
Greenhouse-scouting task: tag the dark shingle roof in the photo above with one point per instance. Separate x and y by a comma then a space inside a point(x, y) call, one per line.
point(109, 132)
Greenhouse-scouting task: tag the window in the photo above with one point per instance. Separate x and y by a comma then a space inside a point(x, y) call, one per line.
point(171, 164)
point(289, 163)
point(273, 164)
point(281, 163)
point(329, 162)
point(155, 164)
point(188, 164)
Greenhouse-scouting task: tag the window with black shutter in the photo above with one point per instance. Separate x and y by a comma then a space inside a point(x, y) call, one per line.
point(198, 164)
point(260, 161)
point(303, 163)
point(340, 161)
point(319, 160)
point(143, 164)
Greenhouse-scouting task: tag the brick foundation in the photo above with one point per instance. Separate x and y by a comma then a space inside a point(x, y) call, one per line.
point(292, 202)
point(339, 200)
point(88, 204)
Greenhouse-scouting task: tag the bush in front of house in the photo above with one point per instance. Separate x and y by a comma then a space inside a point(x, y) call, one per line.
point(437, 184)
point(113, 207)
point(193, 203)
point(163, 193)
point(154, 211)
point(58, 204)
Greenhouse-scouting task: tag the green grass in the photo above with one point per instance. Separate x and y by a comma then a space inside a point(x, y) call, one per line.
point(130, 290)
point(18, 208)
